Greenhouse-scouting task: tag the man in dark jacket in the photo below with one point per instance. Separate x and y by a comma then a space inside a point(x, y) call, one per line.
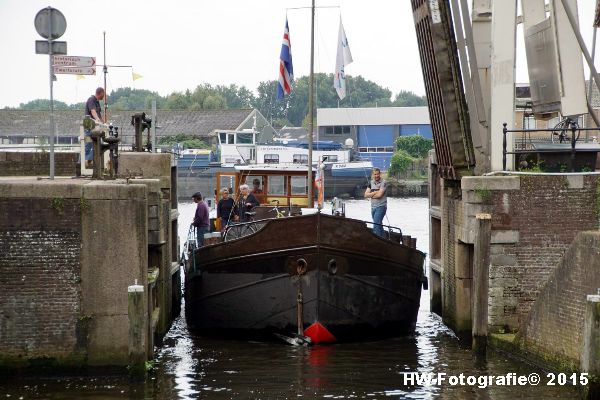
point(225, 208)
point(201, 220)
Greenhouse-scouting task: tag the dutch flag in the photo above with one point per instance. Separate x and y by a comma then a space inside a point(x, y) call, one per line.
point(286, 69)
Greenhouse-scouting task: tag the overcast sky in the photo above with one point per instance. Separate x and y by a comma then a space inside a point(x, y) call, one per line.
point(179, 44)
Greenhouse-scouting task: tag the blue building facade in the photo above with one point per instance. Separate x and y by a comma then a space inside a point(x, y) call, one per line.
point(373, 130)
point(378, 142)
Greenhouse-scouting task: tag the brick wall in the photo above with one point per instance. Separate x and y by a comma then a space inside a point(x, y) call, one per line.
point(547, 212)
point(40, 243)
point(534, 221)
point(555, 324)
point(35, 164)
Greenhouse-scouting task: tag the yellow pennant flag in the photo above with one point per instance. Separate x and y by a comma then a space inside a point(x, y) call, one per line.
point(136, 76)
point(80, 77)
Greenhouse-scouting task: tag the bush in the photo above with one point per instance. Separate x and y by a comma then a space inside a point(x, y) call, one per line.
point(400, 162)
point(416, 145)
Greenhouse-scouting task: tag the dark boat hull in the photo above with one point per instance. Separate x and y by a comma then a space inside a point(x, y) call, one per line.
point(356, 285)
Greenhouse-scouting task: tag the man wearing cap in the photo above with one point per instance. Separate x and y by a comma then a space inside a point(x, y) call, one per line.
point(201, 220)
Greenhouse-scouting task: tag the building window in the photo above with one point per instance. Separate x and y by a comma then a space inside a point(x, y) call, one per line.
point(300, 159)
point(271, 158)
point(388, 149)
point(299, 185)
point(337, 130)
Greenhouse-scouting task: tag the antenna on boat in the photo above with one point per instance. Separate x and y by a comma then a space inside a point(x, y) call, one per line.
point(105, 71)
point(311, 105)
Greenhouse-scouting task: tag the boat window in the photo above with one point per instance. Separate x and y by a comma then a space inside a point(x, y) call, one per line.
point(329, 130)
point(277, 185)
point(300, 159)
point(299, 185)
point(330, 158)
point(256, 184)
point(271, 159)
point(230, 138)
point(223, 137)
point(363, 149)
point(228, 182)
point(245, 138)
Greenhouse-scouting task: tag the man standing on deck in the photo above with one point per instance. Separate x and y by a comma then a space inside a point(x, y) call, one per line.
point(93, 109)
point(376, 192)
point(201, 220)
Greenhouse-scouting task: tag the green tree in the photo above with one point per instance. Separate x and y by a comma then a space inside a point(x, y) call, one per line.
point(214, 101)
point(409, 99)
point(235, 97)
point(415, 145)
point(43, 104)
point(400, 162)
point(177, 101)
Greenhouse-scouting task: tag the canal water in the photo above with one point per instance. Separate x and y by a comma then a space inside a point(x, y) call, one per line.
point(193, 367)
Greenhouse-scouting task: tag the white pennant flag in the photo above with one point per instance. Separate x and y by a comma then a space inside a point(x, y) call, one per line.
point(344, 57)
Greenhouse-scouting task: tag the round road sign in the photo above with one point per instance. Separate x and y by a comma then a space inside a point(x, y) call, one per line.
point(47, 17)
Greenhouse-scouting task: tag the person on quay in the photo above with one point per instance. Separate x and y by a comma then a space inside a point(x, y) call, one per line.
point(201, 219)
point(94, 110)
point(246, 203)
point(376, 192)
point(225, 208)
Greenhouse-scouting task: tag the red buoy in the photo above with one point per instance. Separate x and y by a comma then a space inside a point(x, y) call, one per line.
point(319, 334)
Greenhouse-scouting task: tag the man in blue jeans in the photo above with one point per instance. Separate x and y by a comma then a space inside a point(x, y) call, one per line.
point(201, 220)
point(376, 192)
point(93, 109)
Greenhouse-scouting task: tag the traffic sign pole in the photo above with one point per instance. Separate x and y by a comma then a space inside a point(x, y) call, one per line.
point(51, 71)
point(51, 24)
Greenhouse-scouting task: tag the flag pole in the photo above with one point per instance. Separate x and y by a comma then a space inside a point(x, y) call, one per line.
point(311, 106)
point(105, 71)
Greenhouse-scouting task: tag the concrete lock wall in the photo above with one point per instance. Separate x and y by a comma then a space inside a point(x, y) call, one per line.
point(19, 163)
point(68, 251)
point(158, 172)
point(534, 220)
point(553, 330)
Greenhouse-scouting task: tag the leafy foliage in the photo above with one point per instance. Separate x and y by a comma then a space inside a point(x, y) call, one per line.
point(415, 145)
point(409, 99)
point(400, 162)
point(293, 110)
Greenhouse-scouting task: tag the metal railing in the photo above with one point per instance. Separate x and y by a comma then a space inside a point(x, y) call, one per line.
point(527, 143)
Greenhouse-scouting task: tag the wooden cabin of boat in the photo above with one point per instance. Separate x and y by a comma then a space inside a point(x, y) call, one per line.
point(286, 183)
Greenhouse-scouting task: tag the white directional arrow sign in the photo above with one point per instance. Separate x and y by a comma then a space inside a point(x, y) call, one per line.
point(75, 70)
point(74, 61)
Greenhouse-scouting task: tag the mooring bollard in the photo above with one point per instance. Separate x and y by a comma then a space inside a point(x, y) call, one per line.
point(590, 357)
point(481, 273)
point(137, 335)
